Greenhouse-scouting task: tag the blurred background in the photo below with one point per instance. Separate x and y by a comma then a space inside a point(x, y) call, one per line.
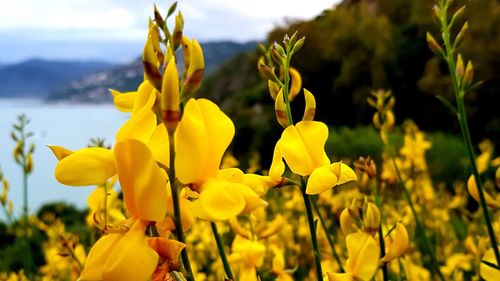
point(59, 58)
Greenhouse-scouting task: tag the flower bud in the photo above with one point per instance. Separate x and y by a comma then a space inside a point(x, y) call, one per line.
point(177, 33)
point(196, 69)
point(296, 83)
point(273, 89)
point(170, 97)
point(310, 106)
point(29, 164)
point(158, 18)
point(279, 109)
point(457, 14)
point(474, 193)
point(298, 45)
point(459, 68)
point(463, 31)
point(347, 224)
point(150, 62)
point(469, 74)
point(265, 71)
point(376, 120)
point(433, 45)
point(371, 220)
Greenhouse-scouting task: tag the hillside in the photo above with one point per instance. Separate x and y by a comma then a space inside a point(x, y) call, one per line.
point(37, 78)
point(93, 88)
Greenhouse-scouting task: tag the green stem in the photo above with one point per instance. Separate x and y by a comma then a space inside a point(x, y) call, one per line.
point(177, 210)
point(328, 236)
point(286, 93)
point(420, 227)
point(464, 127)
point(222, 253)
point(378, 202)
point(312, 230)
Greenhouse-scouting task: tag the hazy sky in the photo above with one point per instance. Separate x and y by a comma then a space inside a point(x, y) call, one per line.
point(115, 29)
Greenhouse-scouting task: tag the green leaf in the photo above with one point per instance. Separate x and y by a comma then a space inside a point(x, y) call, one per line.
point(447, 104)
point(172, 9)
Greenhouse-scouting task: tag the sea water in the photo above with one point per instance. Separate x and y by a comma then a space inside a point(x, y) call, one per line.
point(67, 125)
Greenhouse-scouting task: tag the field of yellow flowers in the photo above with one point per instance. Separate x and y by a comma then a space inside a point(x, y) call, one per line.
point(185, 211)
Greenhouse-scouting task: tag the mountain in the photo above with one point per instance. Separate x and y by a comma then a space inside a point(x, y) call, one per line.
point(36, 78)
point(93, 88)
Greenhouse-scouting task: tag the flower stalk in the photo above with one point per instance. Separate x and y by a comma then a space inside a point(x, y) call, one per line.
point(459, 88)
point(222, 253)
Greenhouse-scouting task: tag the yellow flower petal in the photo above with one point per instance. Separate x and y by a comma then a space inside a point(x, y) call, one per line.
point(131, 259)
point(217, 202)
point(344, 173)
point(321, 179)
point(140, 126)
point(88, 166)
point(123, 101)
point(159, 145)
point(142, 181)
point(340, 277)
point(59, 151)
point(277, 166)
point(363, 255)
point(487, 272)
point(398, 245)
point(252, 200)
point(202, 137)
point(145, 97)
point(302, 146)
point(474, 193)
point(98, 255)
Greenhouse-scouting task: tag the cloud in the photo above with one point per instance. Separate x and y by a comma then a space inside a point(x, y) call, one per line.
point(127, 19)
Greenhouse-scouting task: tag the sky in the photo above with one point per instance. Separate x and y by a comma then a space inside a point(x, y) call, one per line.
point(114, 30)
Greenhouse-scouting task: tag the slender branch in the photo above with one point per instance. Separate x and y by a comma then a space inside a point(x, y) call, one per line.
point(312, 230)
point(222, 253)
point(464, 127)
point(177, 210)
point(328, 236)
point(378, 202)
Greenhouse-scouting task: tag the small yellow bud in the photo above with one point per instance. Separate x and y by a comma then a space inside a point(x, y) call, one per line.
point(279, 109)
point(273, 89)
point(265, 71)
point(196, 69)
point(29, 164)
point(376, 120)
point(371, 220)
point(276, 56)
point(177, 33)
point(436, 11)
point(310, 106)
point(497, 177)
point(459, 68)
point(150, 62)
point(158, 18)
point(433, 45)
point(458, 14)
point(463, 31)
point(170, 97)
point(186, 49)
point(296, 84)
point(398, 245)
point(469, 74)
point(474, 193)
point(389, 120)
point(347, 224)
point(298, 45)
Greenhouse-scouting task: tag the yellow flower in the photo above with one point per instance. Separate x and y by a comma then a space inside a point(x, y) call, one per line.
point(363, 258)
point(202, 137)
point(121, 257)
point(249, 255)
point(397, 246)
point(302, 147)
